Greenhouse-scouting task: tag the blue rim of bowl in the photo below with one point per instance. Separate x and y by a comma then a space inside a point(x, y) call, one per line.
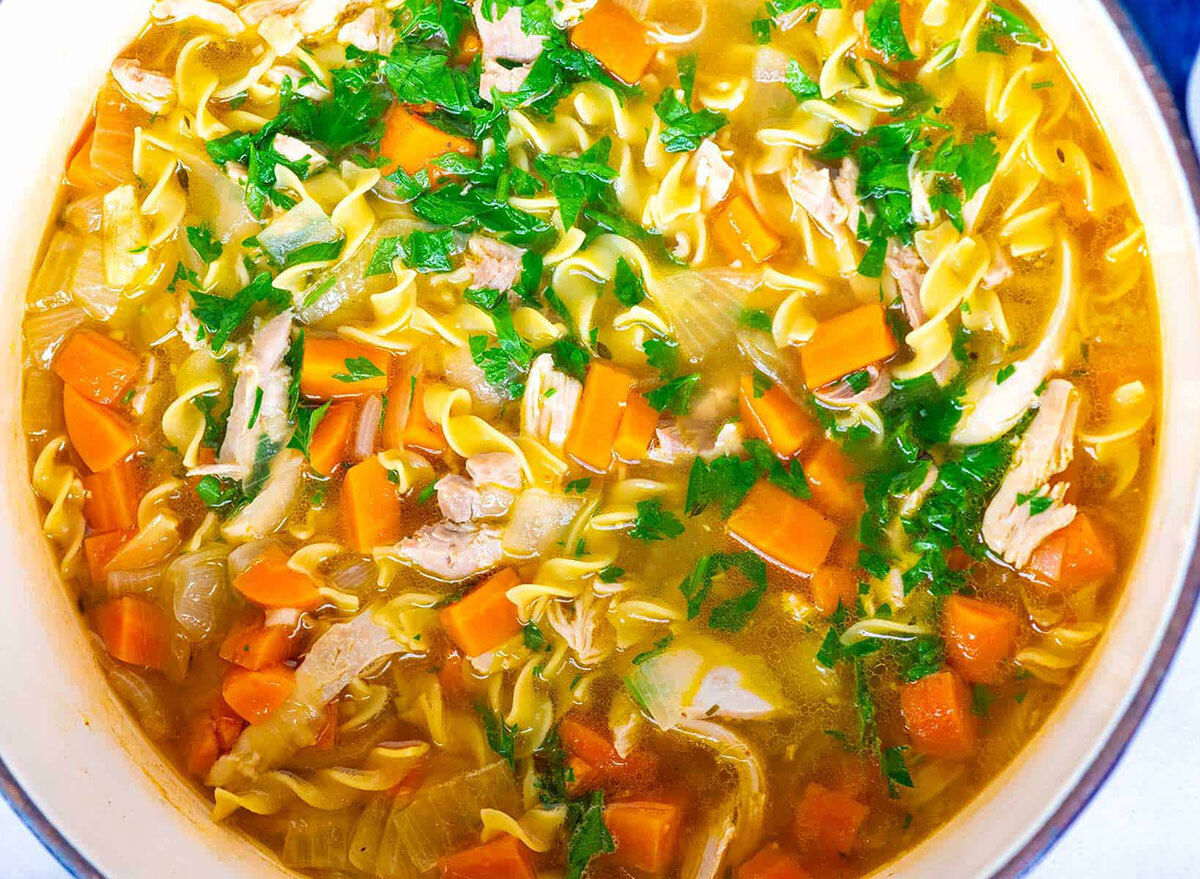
point(1039, 845)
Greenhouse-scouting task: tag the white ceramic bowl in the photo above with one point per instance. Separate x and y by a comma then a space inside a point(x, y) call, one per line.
point(91, 785)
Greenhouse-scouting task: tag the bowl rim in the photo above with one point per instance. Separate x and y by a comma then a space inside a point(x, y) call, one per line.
point(1102, 765)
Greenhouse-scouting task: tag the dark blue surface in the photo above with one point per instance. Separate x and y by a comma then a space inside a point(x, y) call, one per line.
point(1171, 29)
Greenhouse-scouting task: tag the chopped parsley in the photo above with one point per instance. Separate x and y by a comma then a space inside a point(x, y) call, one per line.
point(201, 238)
point(654, 522)
point(358, 369)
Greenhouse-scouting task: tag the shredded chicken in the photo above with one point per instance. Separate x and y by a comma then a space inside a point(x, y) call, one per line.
point(501, 469)
point(922, 208)
point(811, 187)
point(295, 150)
point(273, 504)
point(583, 624)
point(255, 12)
point(505, 39)
point(453, 551)
point(260, 396)
point(496, 265)
point(369, 31)
point(916, 498)
point(846, 186)
point(1010, 527)
point(908, 269)
point(461, 500)
point(714, 175)
point(151, 90)
point(197, 10)
point(671, 445)
point(549, 404)
point(841, 394)
point(144, 387)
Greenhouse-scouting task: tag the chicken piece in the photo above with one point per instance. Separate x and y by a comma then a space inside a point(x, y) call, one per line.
point(496, 265)
point(494, 76)
point(504, 38)
point(671, 445)
point(255, 12)
point(369, 31)
point(714, 175)
point(207, 11)
point(453, 551)
point(152, 91)
point(916, 498)
point(846, 186)
point(502, 469)
point(1010, 527)
point(549, 404)
point(461, 500)
point(1000, 270)
point(811, 187)
point(304, 85)
point(922, 207)
point(272, 506)
point(295, 150)
point(260, 396)
point(583, 625)
point(842, 395)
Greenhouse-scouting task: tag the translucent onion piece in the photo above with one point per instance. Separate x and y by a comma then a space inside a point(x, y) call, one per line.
point(761, 350)
point(143, 700)
point(538, 518)
point(197, 583)
point(301, 226)
point(89, 287)
point(318, 842)
point(84, 213)
point(51, 287)
point(139, 581)
point(369, 418)
point(41, 404)
point(703, 308)
point(354, 575)
point(45, 332)
point(419, 833)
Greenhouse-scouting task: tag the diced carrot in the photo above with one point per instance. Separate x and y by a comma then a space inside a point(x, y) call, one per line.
point(269, 582)
point(469, 47)
point(646, 834)
point(828, 821)
point(774, 417)
point(503, 858)
point(200, 745)
point(834, 587)
point(255, 695)
point(98, 367)
point(227, 724)
point(370, 506)
point(341, 368)
point(597, 751)
point(111, 154)
point(1076, 555)
point(636, 431)
point(845, 552)
point(255, 646)
point(772, 862)
point(133, 631)
point(328, 736)
point(828, 472)
point(100, 436)
point(846, 344)
point(111, 501)
point(980, 638)
point(79, 163)
point(329, 440)
point(412, 143)
point(400, 391)
point(618, 40)
point(484, 618)
point(741, 233)
point(100, 549)
point(937, 715)
point(419, 432)
point(598, 417)
point(783, 529)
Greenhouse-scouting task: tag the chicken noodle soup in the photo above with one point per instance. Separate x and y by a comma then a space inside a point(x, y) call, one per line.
point(657, 439)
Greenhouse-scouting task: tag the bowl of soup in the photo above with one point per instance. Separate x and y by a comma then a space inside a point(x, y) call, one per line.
point(587, 439)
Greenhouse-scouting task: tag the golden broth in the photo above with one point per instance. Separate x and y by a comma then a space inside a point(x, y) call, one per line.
point(821, 696)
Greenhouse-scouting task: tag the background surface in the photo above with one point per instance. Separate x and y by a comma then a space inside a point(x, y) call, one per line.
point(1143, 823)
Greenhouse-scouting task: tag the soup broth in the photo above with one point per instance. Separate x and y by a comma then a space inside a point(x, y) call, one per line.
point(586, 438)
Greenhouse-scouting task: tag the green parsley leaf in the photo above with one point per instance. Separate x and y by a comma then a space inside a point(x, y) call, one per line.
point(858, 381)
point(318, 251)
point(727, 479)
point(429, 252)
point(730, 615)
point(218, 493)
point(687, 76)
point(501, 737)
point(387, 251)
point(220, 318)
point(663, 355)
point(799, 83)
point(755, 319)
point(657, 650)
point(358, 369)
point(999, 24)
point(886, 33)
point(895, 769)
point(684, 130)
point(589, 836)
point(675, 396)
point(627, 286)
point(201, 238)
point(577, 486)
point(1005, 373)
point(654, 522)
point(611, 574)
point(532, 636)
point(306, 425)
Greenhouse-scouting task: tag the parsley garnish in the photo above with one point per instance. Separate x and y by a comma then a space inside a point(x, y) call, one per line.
point(675, 396)
point(220, 318)
point(201, 238)
point(1000, 24)
point(501, 737)
point(627, 286)
point(684, 130)
point(358, 369)
point(654, 522)
point(886, 33)
point(733, 614)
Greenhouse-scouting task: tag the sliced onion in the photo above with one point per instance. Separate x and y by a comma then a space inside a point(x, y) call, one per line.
point(197, 583)
point(45, 332)
point(143, 700)
point(139, 581)
point(301, 226)
point(150, 547)
point(538, 518)
point(318, 841)
point(84, 213)
point(369, 417)
point(274, 503)
point(770, 64)
point(51, 287)
point(354, 575)
point(89, 288)
point(41, 404)
point(761, 350)
point(246, 555)
point(703, 308)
